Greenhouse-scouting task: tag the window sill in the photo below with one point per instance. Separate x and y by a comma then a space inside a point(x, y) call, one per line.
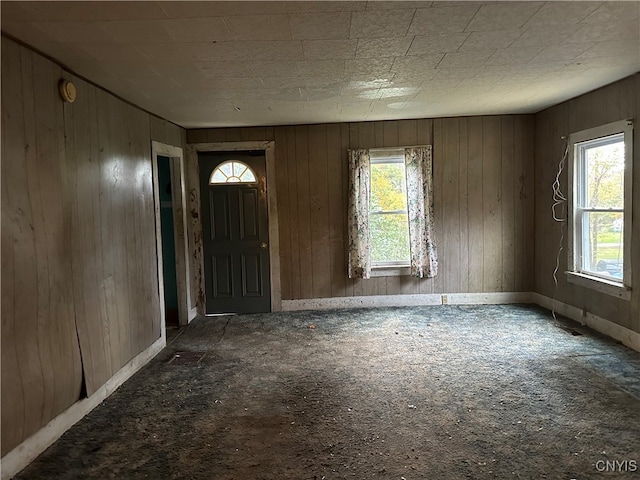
point(390, 271)
point(599, 284)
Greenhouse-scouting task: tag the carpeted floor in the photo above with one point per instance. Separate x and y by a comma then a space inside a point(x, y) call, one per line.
point(450, 392)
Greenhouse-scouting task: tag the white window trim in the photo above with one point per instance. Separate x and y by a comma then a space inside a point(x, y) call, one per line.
point(391, 155)
point(617, 289)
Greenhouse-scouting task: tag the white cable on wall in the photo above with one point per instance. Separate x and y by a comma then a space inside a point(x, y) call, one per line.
point(559, 202)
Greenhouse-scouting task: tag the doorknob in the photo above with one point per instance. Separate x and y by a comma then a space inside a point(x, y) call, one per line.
point(263, 245)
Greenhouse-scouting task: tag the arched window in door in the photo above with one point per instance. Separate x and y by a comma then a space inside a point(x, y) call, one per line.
point(232, 171)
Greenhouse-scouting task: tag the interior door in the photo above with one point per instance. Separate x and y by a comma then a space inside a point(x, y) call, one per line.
point(235, 232)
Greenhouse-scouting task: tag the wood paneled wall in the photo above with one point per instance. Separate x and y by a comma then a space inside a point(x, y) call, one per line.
point(618, 101)
point(41, 366)
point(79, 272)
point(483, 181)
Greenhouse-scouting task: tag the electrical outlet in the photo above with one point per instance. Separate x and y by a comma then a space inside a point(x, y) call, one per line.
point(445, 300)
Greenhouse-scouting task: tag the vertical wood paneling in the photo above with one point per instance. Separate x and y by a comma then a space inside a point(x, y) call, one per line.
point(40, 351)
point(345, 135)
point(450, 204)
point(491, 203)
point(438, 207)
point(293, 223)
point(282, 179)
point(482, 217)
point(508, 202)
point(336, 201)
point(304, 212)
point(319, 208)
point(463, 245)
point(476, 210)
point(614, 102)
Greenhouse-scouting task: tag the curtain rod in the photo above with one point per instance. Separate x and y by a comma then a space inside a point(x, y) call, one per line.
point(391, 148)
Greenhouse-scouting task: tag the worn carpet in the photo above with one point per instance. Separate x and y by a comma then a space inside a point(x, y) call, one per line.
point(446, 392)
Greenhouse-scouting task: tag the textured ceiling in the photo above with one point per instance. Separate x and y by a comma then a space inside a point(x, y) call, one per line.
point(269, 63)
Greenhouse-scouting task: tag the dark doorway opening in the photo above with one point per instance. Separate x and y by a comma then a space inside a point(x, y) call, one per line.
point(168, 242)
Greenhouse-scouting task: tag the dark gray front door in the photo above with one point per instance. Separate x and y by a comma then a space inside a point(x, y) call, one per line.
point(235, 237)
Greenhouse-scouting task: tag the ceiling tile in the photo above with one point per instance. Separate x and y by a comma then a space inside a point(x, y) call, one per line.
point(380, 24)
point(437, 43)
point(228, 68)
point(513, 56)
point(614, 12)
point(137, 31)
point(440, 20)
point(197, 9)
point(545, 35)
point(197, 29)
point(562, 13)
point(323, 68)
point(113, 53)
point(259, 27)
point(564, 52)
point(503, 16)
point(396, 4)
point(612, 49)
point(281, 68)
point(330, 6)
point(383, 47)
point(465, 59)
point(328, 49)
point(369, 66)
point(417, 62)
point(81, 11)
point(74, 32)
point(271, 50)
point(624, 31)
point(173, 52)
point(315, 26)
point(490, 40)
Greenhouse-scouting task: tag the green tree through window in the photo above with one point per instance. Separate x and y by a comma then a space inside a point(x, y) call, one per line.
point(388, 221)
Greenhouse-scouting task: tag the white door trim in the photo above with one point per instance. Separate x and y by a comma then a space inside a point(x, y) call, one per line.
point(195, 225)
point(186, 306)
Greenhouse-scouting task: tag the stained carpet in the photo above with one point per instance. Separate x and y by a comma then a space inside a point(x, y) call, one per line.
point(447, 392)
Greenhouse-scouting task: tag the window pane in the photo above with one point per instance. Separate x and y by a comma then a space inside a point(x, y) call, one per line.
point(602, 246)
point(605, 174)
point(389, 238)
point(388, 187)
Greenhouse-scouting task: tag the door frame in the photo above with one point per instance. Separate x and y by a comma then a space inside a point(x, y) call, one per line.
point(193, 177)
point(186, 308)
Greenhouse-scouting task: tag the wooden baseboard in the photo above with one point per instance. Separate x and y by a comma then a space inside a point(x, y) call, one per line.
point(624, 335)
point(406, 300)
point(27, 451)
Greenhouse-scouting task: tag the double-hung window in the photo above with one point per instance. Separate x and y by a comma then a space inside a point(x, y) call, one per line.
point(388, 217)
point(390, 213)
point(600, 207)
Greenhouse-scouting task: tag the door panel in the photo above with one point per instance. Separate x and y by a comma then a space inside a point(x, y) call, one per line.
point(219, 218)
point(249, 221)
point(251, 275)
point(235, 236)
point(222, 276)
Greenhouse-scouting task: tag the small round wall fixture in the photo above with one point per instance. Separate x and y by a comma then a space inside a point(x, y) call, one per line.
point(67, 91)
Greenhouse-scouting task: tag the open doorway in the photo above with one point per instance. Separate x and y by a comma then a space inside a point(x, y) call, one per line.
point(168, 243)
point(177, 307)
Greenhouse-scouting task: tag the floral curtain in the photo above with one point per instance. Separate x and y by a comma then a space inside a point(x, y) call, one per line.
point(418, 166)
point(358, 215)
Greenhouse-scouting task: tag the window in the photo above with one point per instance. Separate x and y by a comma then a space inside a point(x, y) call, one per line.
point(232, 172)
point(390, 213)
point(600, 233)
point(388, 217)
